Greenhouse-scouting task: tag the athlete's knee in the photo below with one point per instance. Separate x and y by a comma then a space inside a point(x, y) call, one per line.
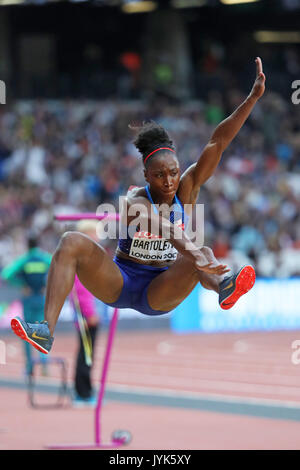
point(71, 243)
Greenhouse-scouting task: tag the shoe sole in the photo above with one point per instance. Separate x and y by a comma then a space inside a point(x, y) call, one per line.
point(84, 405)
point(18, 329)
point(244, 282)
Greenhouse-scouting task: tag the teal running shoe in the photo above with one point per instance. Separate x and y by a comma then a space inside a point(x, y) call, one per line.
point(37, 334)
point(79, 402)
point(233, 287)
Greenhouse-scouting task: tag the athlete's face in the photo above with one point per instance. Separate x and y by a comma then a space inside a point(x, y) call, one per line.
point(163, 174)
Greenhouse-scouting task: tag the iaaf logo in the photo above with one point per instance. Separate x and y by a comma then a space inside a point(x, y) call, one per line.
point(2, 92)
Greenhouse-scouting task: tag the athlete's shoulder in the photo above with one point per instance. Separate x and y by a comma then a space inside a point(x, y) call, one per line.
point(136, 190)
point(135, 197)
point(136, 194)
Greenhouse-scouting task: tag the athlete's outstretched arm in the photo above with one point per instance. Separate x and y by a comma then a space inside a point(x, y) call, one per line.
point(225, 132)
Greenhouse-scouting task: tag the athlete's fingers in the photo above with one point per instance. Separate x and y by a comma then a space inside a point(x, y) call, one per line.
point(224, 271)
point(259, 70)
point(202, 267)
point(208, 268)
point(262, 77)
point(220, 270)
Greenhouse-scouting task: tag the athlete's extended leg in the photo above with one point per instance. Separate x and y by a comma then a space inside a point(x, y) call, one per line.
point(171, 287)
point(75, 254)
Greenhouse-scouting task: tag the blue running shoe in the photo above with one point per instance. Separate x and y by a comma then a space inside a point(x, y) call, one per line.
point(233, 287)
point(37, 334)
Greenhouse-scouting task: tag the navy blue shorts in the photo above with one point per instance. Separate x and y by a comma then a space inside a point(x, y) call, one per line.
point(137, 278)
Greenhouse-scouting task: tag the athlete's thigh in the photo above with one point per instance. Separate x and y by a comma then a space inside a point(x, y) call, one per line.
point(98, 273)
point(171, 287)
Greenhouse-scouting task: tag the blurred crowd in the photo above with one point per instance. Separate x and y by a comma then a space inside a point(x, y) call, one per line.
point(67, 156)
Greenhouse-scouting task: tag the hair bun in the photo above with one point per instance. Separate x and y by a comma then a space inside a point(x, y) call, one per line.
point(150, 137)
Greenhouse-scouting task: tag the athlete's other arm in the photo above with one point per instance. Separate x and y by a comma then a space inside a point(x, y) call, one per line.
point(225, 132)
point(139, 211)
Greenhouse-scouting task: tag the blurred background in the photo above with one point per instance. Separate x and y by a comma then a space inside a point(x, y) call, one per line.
point(78, 72)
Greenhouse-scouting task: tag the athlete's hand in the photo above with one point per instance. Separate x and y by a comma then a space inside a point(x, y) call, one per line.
point(259, 84)
point(210, 268)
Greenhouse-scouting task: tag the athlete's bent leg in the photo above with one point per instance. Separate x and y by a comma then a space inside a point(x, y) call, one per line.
point(78, 254)
point(75, 254)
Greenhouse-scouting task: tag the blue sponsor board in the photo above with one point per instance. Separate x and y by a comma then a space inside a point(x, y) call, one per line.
point(270, 305)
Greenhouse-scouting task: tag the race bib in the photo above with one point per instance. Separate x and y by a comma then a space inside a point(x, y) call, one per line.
point(150, 247)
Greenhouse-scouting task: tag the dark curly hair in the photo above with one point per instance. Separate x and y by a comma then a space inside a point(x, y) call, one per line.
point(151, 136)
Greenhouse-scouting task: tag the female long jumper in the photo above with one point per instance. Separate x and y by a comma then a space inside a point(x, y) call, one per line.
point(154, 284)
